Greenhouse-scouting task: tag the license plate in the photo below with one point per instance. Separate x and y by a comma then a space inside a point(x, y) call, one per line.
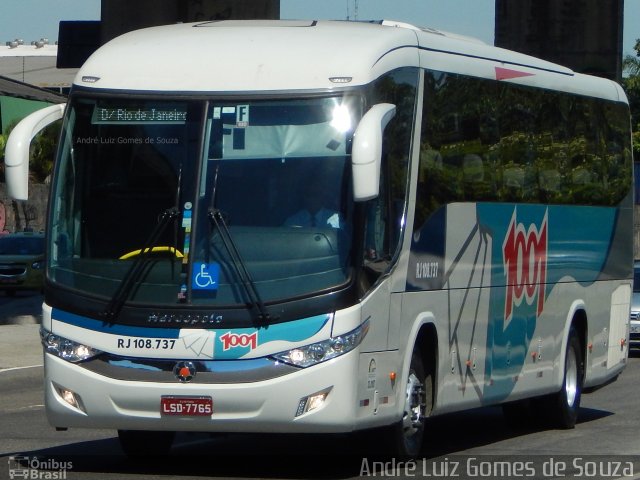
point(186, 406)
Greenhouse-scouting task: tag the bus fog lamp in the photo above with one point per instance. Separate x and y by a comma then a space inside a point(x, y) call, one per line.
point(70, 397)
point(316, 401)
point(322, 351)
point(312, 402)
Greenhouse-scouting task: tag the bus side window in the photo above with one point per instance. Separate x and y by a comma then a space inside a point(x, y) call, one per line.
point(384, 214)
point(375, 230)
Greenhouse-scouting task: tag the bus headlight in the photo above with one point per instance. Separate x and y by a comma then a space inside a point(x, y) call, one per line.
point(66, 349)
point(315, 353)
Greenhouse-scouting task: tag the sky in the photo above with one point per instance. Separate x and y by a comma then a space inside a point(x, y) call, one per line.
point(35, 19)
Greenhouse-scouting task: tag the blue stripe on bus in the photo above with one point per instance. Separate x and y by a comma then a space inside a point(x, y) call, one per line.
point(578, 244)
point(578, 249)
point(295, 331)
point(113, 329)
point(579, 241)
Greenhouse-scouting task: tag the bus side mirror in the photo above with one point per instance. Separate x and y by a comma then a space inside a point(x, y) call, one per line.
point(16, 153)
point(366, 153)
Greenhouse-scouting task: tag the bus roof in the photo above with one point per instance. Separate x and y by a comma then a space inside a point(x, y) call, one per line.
point(306, 55)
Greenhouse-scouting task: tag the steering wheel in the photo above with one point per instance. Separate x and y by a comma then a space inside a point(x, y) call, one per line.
point(158, 249)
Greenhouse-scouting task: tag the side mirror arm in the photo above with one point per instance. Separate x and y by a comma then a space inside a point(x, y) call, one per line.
point(16, 154)
point(367, 151)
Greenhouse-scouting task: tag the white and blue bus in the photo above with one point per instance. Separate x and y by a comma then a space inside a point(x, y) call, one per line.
point(315, 226)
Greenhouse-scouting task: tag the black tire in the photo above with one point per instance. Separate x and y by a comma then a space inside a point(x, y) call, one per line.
point(139, 443)
point(405, 437)
point(562, 407)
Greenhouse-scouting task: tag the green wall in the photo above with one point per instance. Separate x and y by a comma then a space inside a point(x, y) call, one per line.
point(17, 108)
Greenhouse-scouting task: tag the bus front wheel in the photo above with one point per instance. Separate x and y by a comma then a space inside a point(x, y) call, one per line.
point(407, 435)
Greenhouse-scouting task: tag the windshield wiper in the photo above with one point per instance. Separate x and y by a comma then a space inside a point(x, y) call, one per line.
point(130, 279)
point(216, 219)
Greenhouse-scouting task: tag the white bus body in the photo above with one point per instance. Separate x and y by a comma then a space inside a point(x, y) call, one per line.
point(476, 261)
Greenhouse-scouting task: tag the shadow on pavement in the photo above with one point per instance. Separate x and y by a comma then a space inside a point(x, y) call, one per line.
point(24, 308)
point(273, 456)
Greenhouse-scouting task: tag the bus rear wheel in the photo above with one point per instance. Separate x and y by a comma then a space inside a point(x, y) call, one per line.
point(563, 406)
point(139, 443)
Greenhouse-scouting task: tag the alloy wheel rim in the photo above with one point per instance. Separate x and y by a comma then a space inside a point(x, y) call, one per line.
point(413, 418)
point(571, 380)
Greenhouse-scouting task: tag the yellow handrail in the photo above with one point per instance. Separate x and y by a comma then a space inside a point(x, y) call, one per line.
point(158, 249)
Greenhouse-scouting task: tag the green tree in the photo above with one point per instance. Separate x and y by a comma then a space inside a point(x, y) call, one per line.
point(41, 152)
point(631, 84)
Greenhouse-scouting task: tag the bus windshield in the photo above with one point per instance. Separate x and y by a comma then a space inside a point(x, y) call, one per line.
point(276, 173)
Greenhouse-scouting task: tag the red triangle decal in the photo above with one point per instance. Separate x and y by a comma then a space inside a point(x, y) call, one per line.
point(507, 74)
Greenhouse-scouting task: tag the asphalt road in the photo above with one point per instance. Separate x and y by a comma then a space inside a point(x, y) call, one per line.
point(474, 444)
point(23, 309)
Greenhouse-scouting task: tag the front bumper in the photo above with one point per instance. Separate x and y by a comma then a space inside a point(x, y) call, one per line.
point(268, 405)
point(20, 277)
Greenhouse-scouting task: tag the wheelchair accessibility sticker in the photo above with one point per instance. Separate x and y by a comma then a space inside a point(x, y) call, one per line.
point(205, 276)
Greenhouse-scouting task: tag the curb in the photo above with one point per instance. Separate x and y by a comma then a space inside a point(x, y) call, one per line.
point(23, 320)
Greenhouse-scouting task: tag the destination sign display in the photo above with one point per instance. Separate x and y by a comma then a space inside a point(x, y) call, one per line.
point(129, 115)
